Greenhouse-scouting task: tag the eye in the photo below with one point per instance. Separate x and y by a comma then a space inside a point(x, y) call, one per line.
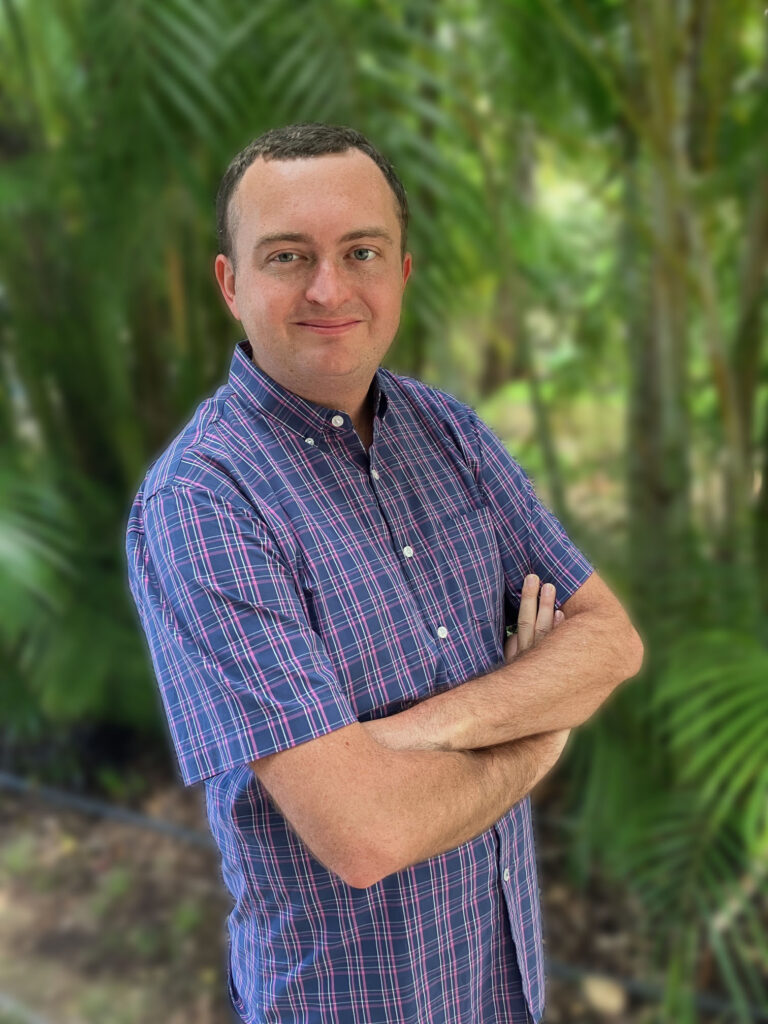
point(364, 250)
point(278, 260)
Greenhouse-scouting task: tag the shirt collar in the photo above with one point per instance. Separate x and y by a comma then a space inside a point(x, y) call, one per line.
point(256, 388)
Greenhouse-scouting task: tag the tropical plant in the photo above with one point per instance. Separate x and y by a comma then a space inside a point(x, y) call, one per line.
point(590, 234)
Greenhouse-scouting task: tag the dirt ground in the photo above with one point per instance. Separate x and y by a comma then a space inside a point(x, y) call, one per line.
point(102, 922)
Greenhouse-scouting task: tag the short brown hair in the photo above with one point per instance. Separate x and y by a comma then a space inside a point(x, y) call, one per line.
point(311, 138)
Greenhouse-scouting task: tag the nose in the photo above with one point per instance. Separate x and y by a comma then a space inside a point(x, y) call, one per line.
point(328, 285)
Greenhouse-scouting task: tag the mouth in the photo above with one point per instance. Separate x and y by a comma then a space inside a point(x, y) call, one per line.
point(329, 327)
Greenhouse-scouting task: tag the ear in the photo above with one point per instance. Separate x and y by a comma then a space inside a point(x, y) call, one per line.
point(225, 276)
point(407, 267)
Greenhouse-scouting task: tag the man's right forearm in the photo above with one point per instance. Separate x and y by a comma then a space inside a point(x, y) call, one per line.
point(441, 799)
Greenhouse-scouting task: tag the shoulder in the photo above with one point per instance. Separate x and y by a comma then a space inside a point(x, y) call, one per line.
point(205, 455)
point(480, 446)
point(435, 410)
point(212, 482)
point(418, 393)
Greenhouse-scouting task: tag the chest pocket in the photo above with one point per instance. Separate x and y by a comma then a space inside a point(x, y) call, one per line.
point(465, 561)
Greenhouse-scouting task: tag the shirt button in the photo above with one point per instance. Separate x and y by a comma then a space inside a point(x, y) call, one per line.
point(309, 440)
point(442, 632)
point(506, 874)
point(338, 421)
point(375, 474)
point(407, 551)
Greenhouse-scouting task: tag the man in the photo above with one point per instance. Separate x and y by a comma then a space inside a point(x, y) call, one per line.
point(324, 562)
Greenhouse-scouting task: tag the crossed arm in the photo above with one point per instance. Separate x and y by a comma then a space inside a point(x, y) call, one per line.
point(466, 756)
point(556, 684)
point(461, 759)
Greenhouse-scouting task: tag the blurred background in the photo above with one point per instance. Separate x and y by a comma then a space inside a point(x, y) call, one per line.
point(588, 184)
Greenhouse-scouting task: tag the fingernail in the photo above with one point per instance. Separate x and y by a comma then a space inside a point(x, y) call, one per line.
point(548, 589)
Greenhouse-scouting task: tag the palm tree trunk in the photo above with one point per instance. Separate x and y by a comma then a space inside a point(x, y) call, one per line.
point(654, 247)
point(509, 352)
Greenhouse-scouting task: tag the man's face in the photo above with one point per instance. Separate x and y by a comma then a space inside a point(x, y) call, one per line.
point(284, 285)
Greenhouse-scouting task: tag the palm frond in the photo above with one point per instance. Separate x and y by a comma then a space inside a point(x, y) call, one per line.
point(714, 710)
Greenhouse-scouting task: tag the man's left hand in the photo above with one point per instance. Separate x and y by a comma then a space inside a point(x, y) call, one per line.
point(533, 623)
point(400, 732)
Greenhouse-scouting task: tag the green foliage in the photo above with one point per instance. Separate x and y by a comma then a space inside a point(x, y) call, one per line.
point(185, 920)
point(548, 150)
point(66, 612)
point(675, 805)
point(9, 1017)
point(123, 786)
point(16, 856)
point(111, 889)
point(713, 701)
point(144, 940)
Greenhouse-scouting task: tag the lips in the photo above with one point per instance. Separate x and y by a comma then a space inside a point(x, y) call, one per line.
point(326, 323)
point(329, 326)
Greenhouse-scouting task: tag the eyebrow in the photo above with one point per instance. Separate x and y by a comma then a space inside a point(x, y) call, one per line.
point(297, 236)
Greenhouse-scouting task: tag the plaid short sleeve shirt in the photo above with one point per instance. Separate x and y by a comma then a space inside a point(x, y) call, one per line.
point(290, 583)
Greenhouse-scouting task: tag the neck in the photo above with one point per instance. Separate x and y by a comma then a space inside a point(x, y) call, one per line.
point(363, 421)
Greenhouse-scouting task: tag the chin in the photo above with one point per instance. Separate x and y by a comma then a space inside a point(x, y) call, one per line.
point(337, 368)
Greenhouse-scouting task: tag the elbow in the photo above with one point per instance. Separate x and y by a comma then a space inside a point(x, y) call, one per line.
point(634, 654)
point(360, 882)
point(367, 881)
point(372, 863)
point(639, 650)
point(360, 858)
point(346, 858)
point(378, 831)
point(355, 872)
point(360, 874)
point(349, 863)
point(364, 874)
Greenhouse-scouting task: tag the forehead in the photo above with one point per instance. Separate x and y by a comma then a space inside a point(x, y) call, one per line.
point(314, 195)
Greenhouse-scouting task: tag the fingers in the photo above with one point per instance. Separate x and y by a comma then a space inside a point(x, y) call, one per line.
point(510, 647)
point(545, 620)
point(537, 616)
point(526, 616)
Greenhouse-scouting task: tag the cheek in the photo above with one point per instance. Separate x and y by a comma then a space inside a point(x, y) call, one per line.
point(270, 302)
point(385, 295)
point(390, 303)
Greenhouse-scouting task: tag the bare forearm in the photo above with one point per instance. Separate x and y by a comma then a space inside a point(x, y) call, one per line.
point(557, 684)
point(438, 800)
